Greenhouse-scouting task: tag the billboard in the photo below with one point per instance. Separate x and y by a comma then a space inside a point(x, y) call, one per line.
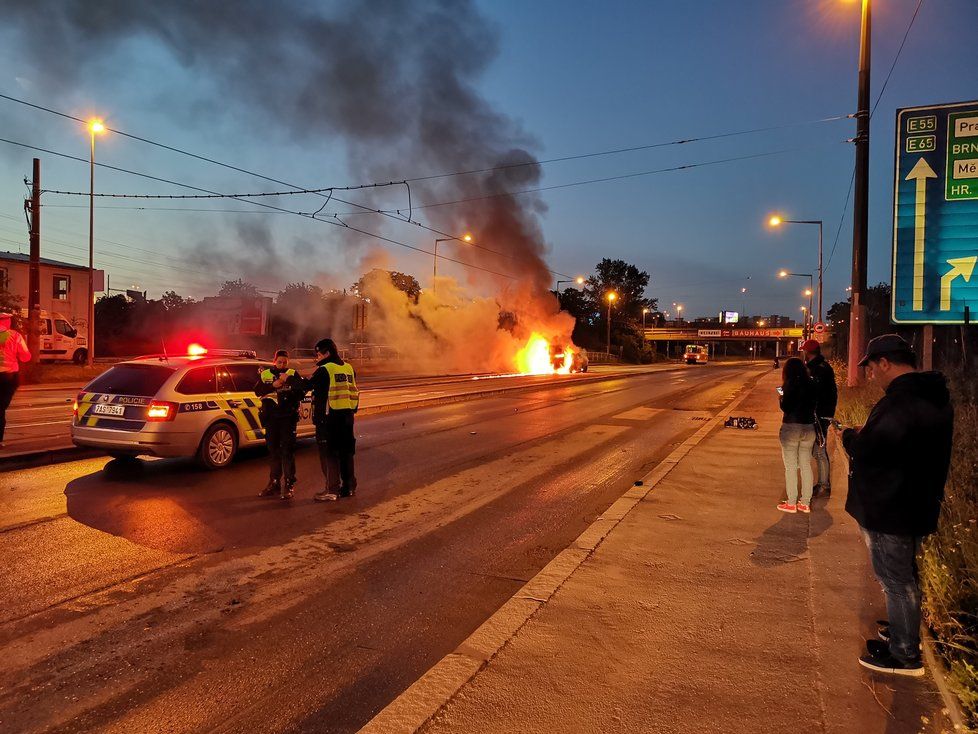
point(729, 317)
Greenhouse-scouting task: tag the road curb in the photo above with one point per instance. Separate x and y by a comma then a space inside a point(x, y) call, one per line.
point(422, 701)
point(44, 457)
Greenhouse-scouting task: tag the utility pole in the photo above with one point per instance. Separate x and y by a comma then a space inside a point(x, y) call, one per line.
point(34, 274)
point(860, 207)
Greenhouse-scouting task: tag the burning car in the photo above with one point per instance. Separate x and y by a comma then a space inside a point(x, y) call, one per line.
point(568, 359)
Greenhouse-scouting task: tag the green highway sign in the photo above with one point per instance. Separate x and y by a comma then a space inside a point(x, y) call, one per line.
point(935, 215)
point(962, 156)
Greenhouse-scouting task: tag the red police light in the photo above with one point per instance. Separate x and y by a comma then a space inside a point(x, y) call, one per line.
point(160, 410)
point(196, 350)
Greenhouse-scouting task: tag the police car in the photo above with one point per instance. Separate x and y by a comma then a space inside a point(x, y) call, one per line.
point(200, 404)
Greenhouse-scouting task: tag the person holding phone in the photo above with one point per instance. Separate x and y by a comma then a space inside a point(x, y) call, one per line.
point(898, 466)
point(797, 400)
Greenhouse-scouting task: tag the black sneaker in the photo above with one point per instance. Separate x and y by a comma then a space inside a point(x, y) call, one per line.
point(347, 492)
point(270, 490)
point(884, 662)
point(875, 647)
point(288, 490)
point(883, 632)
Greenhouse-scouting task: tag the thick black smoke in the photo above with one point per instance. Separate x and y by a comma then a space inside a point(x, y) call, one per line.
point(395, 79)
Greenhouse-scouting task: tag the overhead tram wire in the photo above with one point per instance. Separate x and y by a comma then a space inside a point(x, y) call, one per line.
point(337, 223)
point(396, 214)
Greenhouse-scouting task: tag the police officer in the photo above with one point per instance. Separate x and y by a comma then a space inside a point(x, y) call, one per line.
point(335, 400)
point(281, 390)
point(13, 351)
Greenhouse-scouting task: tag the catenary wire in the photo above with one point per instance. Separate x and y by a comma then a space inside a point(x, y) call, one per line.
point(397, 214)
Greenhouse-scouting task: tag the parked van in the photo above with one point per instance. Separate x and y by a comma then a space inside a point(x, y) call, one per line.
point(61, 341)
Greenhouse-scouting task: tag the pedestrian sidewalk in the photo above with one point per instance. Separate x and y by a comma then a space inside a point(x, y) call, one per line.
point(703, 609)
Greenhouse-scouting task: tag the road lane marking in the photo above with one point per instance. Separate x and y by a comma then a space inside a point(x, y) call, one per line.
point(434, 690)
point(640, 413)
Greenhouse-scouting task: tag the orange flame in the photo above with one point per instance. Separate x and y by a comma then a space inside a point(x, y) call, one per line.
point(535, 358)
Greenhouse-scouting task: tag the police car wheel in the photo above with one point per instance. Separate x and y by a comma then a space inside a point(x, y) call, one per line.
point(218, 446)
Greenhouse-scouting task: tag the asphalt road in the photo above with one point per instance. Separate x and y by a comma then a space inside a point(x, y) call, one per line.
point(39, 418)
point(157, 597)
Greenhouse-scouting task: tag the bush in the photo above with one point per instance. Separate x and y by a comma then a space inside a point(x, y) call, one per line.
point(949, 562)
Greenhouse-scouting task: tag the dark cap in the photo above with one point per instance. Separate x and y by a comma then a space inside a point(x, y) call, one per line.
point(883, 345)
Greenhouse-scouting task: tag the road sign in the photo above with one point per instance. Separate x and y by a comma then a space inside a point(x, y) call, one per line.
point(935, 214)
point(819, 327)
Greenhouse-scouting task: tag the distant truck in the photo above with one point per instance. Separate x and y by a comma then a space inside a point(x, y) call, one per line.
point(61, 341)
point(696, 354)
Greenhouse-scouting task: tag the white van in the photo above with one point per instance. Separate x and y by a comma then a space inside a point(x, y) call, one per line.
point(61, 341)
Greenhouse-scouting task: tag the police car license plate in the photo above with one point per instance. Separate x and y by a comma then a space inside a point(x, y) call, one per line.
point(103, 409)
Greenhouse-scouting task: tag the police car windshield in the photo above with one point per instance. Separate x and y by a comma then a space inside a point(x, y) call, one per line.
point(143, 380)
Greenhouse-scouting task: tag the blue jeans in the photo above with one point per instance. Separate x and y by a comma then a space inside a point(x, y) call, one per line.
point(821, 454)
point(895, 565)
point(797, 440)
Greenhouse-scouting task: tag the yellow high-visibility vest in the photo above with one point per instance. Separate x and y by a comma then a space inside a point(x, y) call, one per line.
point(343, 392)
point(268, 377)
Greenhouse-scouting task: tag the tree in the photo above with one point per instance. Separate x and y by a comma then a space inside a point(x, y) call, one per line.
point(173, 301)
point(626, 281)
point(403, 282)
point(9, 301)
point(238, 289)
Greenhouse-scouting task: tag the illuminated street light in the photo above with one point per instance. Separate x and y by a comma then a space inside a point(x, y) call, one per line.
point(777, 221)
point(644, 312)
point(611, 299)
point(579, 280)
point(467, 237)
point(95, 127)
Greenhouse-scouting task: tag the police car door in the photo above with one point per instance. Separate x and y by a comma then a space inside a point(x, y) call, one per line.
point(236, 383)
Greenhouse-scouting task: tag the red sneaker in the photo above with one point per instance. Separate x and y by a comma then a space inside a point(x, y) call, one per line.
point(785, 507)
point(803, 508)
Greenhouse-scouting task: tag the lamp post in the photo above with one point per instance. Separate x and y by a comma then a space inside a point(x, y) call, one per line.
point(679, 314)
point(434, 269)
point(860, 202)
point(644, 312)
point(611, 299)
point(777, 221)
point(579, 280)
point(95, 127)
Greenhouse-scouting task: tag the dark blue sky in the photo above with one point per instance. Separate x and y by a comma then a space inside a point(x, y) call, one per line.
point(577, 77)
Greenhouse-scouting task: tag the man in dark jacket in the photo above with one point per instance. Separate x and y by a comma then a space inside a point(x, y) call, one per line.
point(335, 401)
point(281, 391)
point(826, 398)
point(898, 466)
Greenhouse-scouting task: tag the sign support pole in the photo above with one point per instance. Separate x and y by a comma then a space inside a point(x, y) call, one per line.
point(927, 348)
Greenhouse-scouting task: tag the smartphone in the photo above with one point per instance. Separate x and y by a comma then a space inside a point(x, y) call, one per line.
point(781, 391)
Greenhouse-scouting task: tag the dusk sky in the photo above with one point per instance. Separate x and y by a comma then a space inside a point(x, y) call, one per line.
point(575, 78)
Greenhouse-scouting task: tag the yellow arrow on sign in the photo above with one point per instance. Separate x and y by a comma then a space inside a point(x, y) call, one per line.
point(960, 266)
point(920, 173)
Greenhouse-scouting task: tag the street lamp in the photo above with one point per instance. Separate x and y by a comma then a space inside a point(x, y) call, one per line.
point(611, 299)
point(434, 270)
point(579, 280)
point(776, 221)
point(679, 314)
point(808, 291)
point(95, 127)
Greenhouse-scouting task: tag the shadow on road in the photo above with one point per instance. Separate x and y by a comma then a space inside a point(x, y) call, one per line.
point(176, 506)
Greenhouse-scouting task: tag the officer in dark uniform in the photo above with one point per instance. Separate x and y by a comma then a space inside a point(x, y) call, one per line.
point(335, 401)
point(281, 391)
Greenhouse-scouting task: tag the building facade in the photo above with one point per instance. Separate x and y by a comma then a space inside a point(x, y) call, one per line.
point(64, 287)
